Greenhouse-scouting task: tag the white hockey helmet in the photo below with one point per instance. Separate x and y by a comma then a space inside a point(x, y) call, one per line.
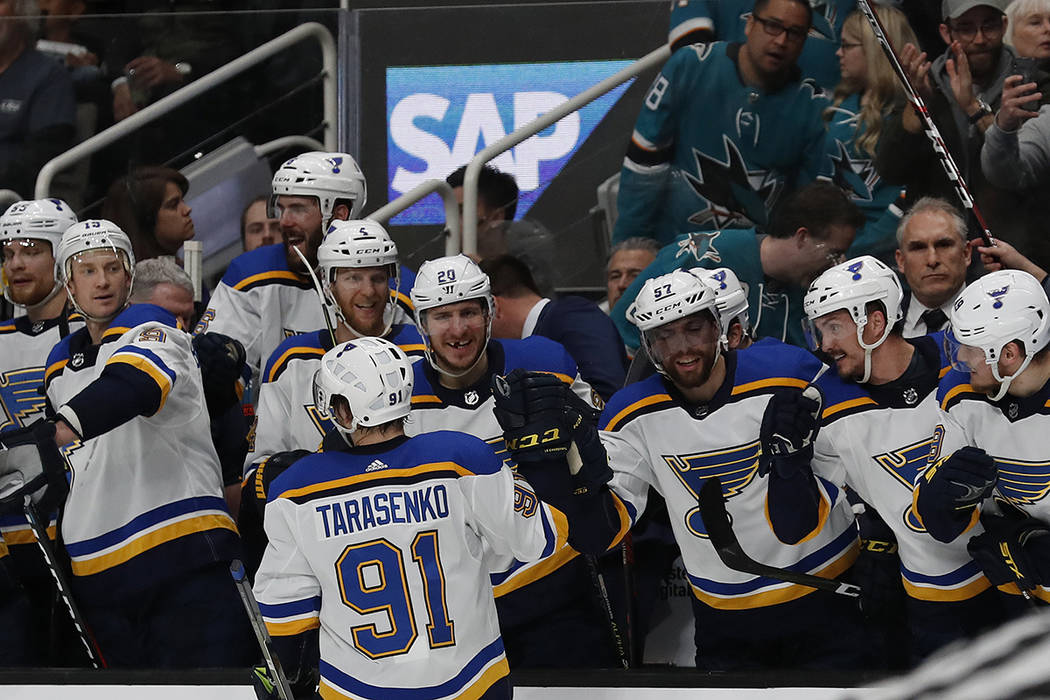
point(37, 220)
point(850, 286)
point(667, 298)
point(372, 374)
point(1003, 306)
point(448, 280)
point(328, 176)
point(355, 244)
point(92, 234)
point(730, 298)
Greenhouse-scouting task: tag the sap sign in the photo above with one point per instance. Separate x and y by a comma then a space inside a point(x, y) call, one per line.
point(439, 117)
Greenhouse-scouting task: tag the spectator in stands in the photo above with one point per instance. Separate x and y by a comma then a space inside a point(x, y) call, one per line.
point(628, 258)
point(497, 204)
point(725, 129)
point(962, 89)
point(258, 228)
point(863, 99)
point(148, 205)
point(37, 107)
point(81, 51)
point(812, 230)
point(932, 254)
point(575, 322)
point(695, 21)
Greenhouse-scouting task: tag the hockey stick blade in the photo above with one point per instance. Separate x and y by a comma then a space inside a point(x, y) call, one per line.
point(720, 531)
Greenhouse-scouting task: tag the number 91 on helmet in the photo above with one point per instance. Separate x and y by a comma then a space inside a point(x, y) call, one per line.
point(363, 383)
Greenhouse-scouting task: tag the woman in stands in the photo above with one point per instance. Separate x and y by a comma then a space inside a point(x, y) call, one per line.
point(148, 205)
point(864, 97)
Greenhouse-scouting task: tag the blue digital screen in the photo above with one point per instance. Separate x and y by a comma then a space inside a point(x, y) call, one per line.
point(439, 117)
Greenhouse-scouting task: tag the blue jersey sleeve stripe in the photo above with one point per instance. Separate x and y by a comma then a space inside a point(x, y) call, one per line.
point(147, 519)
point(295, 607)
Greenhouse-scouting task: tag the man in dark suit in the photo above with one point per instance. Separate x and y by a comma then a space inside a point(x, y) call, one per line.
point(577, 323)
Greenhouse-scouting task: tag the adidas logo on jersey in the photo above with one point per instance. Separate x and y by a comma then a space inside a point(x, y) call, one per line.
point(375, 466)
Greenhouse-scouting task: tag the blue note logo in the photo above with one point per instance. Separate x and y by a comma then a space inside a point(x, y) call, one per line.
point(20, 400)
point(439, 117)
point(735, 467)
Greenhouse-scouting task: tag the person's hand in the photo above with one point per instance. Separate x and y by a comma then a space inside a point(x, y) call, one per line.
point(961, 80)
point(1016, 96)
point(84, 59)
point(150, 71)
point(1003, 256)
point(918, 69)
point(123, 105)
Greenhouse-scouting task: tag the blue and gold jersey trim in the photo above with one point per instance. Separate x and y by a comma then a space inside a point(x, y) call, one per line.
point(262, 279)
point(648, 404)
point(410, 475)
point(960, 392)
point(149, 364)
point(151, 529)
point(848, 407)
point(289, 619)
point(476, 677)
point(299, 352)
point(962, 584)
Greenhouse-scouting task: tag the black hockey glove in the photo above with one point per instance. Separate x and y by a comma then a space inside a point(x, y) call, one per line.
point(789, 426)
point(1013, 551)
point(256, 490)
point(222, 361)
point(588, 462)
point(948, 492)
point(530, 407)
point(31, 463)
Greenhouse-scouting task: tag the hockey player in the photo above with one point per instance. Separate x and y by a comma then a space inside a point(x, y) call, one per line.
point(356, 262)
point(702, 417)
point(730, 306)
point(704, 154)
point(267, 295)
point(385, 544)
point(29, 233)
point(694, 21)
point(991, 438)
point(879, 417)
point(144, 524)
point(546, 613)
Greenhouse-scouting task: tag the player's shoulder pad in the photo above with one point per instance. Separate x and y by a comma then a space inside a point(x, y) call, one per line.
point(423, 394)
point(305, 346)
point(842, 398)
point(539, 354)
point(765, 367)
point(407, 337)
point(634, 400)
point(59, 356)
point(139, 315)
point(955, 387)
point(468, 453)
point(260, 267)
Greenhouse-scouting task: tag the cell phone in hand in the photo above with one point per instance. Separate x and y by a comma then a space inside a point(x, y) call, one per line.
point(1027, 69)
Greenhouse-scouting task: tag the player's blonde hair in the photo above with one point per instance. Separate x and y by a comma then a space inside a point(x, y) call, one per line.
point(882, 91)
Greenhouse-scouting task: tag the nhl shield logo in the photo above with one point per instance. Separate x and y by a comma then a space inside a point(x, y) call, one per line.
point(37, 327)
point(77, 361)
point(911, 397)
point(471, 397)
point(1012, 410)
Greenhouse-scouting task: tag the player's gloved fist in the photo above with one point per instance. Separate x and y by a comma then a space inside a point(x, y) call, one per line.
point(530, 407)
point(222, 360)
point(256, 489)
point(588, 462)
point(31, 463)
point(1013, 551)
point(789, 426)
point(968, 476)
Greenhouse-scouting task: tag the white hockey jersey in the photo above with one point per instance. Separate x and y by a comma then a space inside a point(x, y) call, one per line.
point(386, 548)
point(877, 440)
point(285, 418)
point(654, 437)
point(469, 410)
point(1013, 431)
point(146, 500)
point(261, 302)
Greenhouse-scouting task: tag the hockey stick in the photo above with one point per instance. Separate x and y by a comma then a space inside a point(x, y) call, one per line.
point(931, 130)
point(273, 664)
point(720, 530)
point(62, 584)
point(598, 581)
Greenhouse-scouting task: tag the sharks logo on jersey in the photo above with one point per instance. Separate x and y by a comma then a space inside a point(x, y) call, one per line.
point(736, 196)
point(20, 398)
point(701, 245)
point(735, 467)
point(854, 175)
point(1022, 482)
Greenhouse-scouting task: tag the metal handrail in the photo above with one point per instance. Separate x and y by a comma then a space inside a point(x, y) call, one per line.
point(279, 144)
point(452, 217)
point(202, 84)
point(470, 177)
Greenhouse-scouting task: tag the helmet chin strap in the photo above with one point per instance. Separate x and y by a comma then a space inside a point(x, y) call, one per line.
point(96, 319)
point(868, 349)
point(1005, 382)
point(388, 314)
point(429, 352)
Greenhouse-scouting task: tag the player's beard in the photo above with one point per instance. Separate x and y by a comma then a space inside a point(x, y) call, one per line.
point(312, 245)
point(697, 376)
